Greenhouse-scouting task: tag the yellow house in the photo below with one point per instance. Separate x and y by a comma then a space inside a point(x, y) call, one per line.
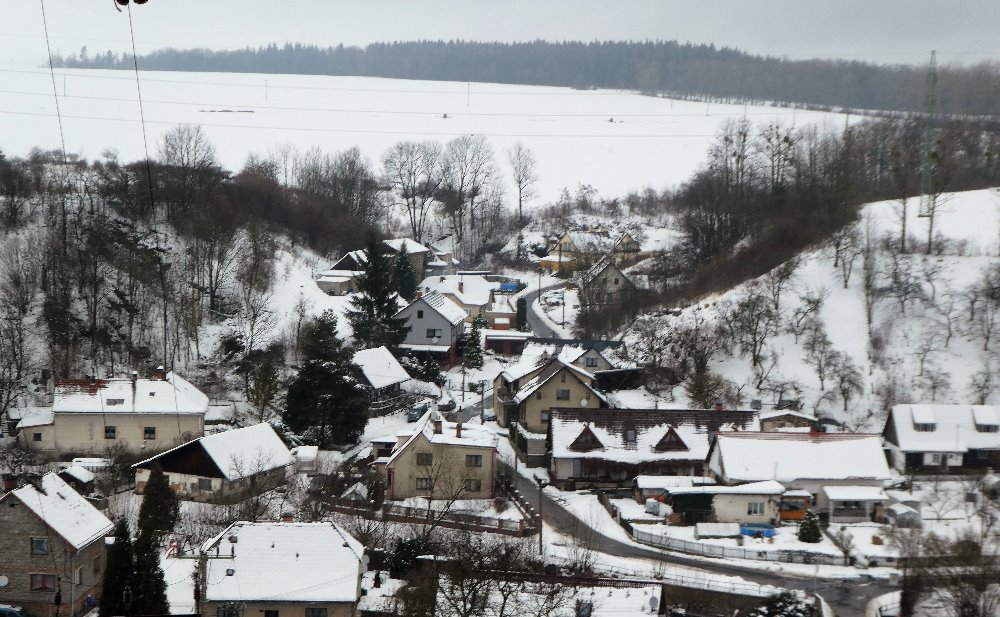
point(440, 460)
point(281, 570)
point(92, 416)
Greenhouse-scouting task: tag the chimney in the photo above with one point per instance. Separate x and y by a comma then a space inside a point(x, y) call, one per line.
point(441, 278)
point(135, 379)
point(458, 429)
point(287, 517)
point(437, 426)
point(160, 373)
point(719, 406)
point(420, 294)
point(461, 287)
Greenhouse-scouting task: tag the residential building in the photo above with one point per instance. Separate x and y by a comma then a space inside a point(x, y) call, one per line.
point(92, 416)
point(844, 473)
point(604, 447)
point(222, 467)
point(605, 283)
point(935, 438)
point(788, 420)
point(753, 502)
point(474, 294)
point(657, 487)
point(524, 396)
point(281, 570)
point(52, 540)
point(443, 261)
point(384, 376)
point(439, 460)
point(419, 254)
point(436, 325)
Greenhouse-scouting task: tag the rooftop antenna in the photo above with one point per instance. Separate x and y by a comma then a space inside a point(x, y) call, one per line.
point(927, 167)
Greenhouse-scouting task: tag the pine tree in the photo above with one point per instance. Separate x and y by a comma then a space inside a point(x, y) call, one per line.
point(326, 402)
point(785, 604)
point(117, 572)
point(521, 319)
point(373, 309)
point(148, 589)
point(809, 530)
point(403, 276)
point(160, 506)
point(474, 344)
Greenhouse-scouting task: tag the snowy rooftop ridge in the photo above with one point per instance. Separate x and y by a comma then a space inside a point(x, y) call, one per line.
point(380, 367)
point(444, 307)
point(63, 510)
point(171, 395)
point(240, 452)
point(944, 428)
point(320, 562)
point(470, 289)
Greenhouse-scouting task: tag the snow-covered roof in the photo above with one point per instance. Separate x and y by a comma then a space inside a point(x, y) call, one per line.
point(407, 245)
point(766, 487)
point(306, 453)
point(36, 418)
point(956, 428)
point(787, 457)
point(659, 434)
point(443, 306)
point(64, 511)
point(471, 290)
point(472, 435)
point(855, 493)
point(664, 482)
point(380, 367)
point(777, 413)
point(172, 395)
point(238, 453)
point(553, 367)
point(319, 562)
point(79, 472)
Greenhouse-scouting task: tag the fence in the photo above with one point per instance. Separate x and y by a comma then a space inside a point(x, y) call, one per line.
point(734, 552)
point(425, 516)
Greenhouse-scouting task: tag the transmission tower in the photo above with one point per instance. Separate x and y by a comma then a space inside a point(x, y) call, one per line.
point(927, 156)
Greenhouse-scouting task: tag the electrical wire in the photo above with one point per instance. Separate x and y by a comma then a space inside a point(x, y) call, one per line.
point(52, 74)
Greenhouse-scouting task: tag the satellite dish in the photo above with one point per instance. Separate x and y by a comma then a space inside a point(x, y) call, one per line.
point(583, 403)
point(3, 581)
point(654, 604)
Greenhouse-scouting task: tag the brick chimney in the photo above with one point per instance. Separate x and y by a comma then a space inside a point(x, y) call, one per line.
point(719, 406)
point(461, 287)
point(160, 373)
point(420, 294)
point(437, 426)
point(458, 429)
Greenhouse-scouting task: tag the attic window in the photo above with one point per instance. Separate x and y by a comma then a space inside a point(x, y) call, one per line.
point(115, 401)
point(630, 437)
point(924, 427)
point(586, 441)
point(670, 441)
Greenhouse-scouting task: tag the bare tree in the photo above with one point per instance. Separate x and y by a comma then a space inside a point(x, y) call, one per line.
point(982, 384)
point(190, 157)
point(869, 272)
point(819, 351)
point(524, 168)
point(808, 311)
point(929, 343)
point(902, 283)
point(752, 321)
point(413, 170)
point(777, 281)
point(847, 378)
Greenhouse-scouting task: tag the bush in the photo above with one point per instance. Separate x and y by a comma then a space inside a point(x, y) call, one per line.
point(809, 529)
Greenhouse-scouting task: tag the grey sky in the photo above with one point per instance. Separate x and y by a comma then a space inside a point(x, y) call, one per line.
point(885, 31)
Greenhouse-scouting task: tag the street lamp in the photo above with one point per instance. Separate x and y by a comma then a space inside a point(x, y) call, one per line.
point(542, 483)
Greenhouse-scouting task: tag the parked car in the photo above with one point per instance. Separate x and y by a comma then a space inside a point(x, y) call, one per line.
point(447, 404)
point(7, 610)
point(489, 416)
point(417, 411)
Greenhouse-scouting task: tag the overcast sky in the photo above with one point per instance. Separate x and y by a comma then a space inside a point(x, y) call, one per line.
point(884, 31)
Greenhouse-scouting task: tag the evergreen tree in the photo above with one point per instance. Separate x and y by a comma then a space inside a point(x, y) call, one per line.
point(403, 276)
point(809, 530)
point(521, 319)
point(373, 309)
point(474, 344)
point(785, 604)
point(160, 506)
point(326, 402)
point(148, 589)
point(117, 572)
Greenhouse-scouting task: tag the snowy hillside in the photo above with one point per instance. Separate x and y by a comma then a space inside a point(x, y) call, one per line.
point(909, 355)
point(614, 141)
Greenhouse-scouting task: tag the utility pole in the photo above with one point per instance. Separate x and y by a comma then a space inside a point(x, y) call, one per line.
point(482, 400)
point(541, 485)
point(926, 166)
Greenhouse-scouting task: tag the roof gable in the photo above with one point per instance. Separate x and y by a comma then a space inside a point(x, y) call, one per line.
point(232, 455)
point(670, 441)
point(586, 441)
point(380, 368)
point(63, 510)
point(451, 312)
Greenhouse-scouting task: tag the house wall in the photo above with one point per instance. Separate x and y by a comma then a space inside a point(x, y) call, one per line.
point(187, 485)
point(730, 508)
point(565, 468)
point(431, 319)
point(545, 399)
point(83, 433)
point(779, 422)
point(18, 525)
point(46, 434)
point(448, 471)
point(607, 287)
point(472, 310)
point(598, 362)
point(337, 288)
point(286, 609)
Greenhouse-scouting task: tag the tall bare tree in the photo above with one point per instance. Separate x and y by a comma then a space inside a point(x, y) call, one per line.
point(413, 170)
point(524, 169)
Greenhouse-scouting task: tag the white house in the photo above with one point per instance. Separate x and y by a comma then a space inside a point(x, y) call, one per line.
point(940, 437)
point(436, 323)
point(471, 292)
point(384, 374)
point(844, 472)
point(286, 569)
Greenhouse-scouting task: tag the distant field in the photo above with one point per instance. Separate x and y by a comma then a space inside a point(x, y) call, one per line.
point(651, 142)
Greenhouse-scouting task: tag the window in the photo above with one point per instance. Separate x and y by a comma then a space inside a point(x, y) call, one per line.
point(562, 378)
point(230, 610)
point(424, 484)
point(425, 458)
point(935, 459)
point(616, 281)
point(433, 333)
point(149, 432)
point(43, 582)
point(115, 401)
point(315, 612)
point(39, 546)
point(630, 436)
point(97, 565)
point(591, 362)
point(755, 507)
point(110, 432)
point(420, 315)
point(270, 613)
point(473, 485)
point(473, 460)
point(36, 437)
point(924, 427)
point(562, 395)
point(204, 484)
point(78, 576)
point(988, 428)
point(545, 417)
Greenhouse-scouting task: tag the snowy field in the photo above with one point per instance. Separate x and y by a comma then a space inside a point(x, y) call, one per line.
point(615, 141)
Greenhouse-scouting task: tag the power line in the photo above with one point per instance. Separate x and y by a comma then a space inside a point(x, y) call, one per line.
point(52, 74)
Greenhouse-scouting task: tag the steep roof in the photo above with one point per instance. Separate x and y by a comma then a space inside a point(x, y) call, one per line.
point(786, 457)
point(380, 367)
point(63, 510)
point(469, 289)
point(606, 263)
point(236, 454)
point(172, 395)
point(319, 562)
point(552, 368)
point(442, 306)
point(472, 435)
point(956, 428)
point(407, 245)
point(694, 428)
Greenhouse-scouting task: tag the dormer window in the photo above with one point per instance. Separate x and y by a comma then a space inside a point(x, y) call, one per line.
point(115, 401)
point(586, 441)
point(987, 419)
point(630, 437)
point(924, 427)
point(670, 441)
point(988, 428)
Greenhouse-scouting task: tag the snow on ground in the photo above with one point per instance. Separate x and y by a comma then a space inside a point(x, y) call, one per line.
point(561, 306)
point(969, 223)
point(177, 574)
point(479, 507)
point(616, 141)
point(785, 539)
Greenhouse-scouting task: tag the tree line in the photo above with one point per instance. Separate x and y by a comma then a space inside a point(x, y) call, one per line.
point(654, 67)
